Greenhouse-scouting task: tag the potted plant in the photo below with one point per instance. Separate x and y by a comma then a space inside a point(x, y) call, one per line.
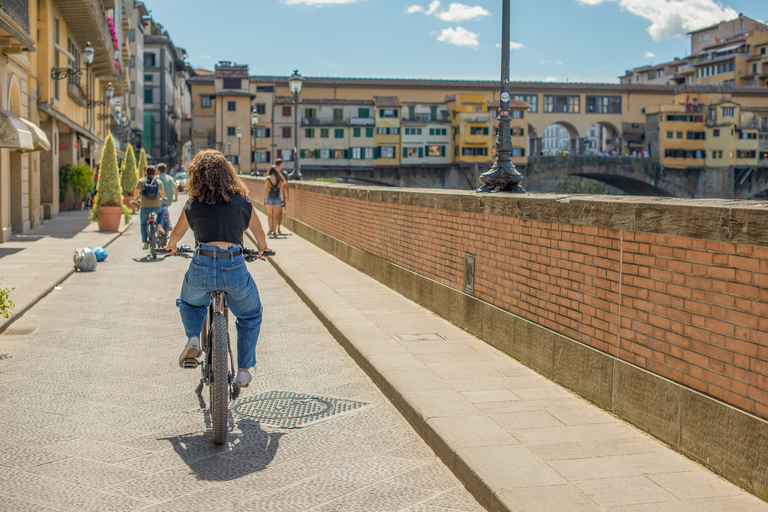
point(142, 165)
point(82, 183)
point(129, 176)
point(65, 181)
point(6, 305)
point(108, 203)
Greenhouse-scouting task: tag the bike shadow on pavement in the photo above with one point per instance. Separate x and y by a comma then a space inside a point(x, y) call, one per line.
point(248, 449)
point(148, 259)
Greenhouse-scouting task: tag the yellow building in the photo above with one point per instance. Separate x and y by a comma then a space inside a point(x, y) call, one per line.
point(472, 126)
point(386, 138)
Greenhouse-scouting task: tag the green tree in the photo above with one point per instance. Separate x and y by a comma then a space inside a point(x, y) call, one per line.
point(129, 176)
point(108, 189)
point(142, 165)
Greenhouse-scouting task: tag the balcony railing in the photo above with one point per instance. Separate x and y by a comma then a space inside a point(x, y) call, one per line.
point(18, 11)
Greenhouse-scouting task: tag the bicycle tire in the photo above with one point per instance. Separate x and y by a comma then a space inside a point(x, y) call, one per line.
point(163, 239)
point(153, 244)
point(219, 379)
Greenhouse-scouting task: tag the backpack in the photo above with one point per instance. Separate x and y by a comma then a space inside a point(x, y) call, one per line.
point(274, 190)
point(150, 189)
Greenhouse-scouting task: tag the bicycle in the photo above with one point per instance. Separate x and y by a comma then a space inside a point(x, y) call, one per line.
point(155, 241)
point(215, 343)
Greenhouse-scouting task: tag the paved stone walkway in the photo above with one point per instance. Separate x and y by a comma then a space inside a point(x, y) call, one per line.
point(95, 413)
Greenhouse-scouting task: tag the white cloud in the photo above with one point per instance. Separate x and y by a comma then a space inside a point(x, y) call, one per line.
point(551, 79)
point(459, 36)
point(318, 2)
point(460, 12)
point(673, 18)
point(414, 8)
point(650, 55)
point(512, 45)
point(432, 7)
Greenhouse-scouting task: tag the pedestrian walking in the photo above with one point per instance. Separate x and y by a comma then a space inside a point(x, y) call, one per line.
point(219, 211)
point(171, 194)
point(273, 197)
point(281, 210)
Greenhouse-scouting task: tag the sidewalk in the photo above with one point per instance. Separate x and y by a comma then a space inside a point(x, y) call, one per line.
point(37, 261)
point(516, 440)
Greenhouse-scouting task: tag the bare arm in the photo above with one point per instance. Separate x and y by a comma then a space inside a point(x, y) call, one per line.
point(179, 230)
point(258, 232)
point(266, 189)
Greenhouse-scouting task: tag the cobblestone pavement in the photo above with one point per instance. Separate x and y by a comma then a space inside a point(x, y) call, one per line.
point(95, 413)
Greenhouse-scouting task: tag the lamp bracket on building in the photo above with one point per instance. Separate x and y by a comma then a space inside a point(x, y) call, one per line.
point(62, 73)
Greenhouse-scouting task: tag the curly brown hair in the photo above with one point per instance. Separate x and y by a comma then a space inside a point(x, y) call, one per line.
point(212, 178)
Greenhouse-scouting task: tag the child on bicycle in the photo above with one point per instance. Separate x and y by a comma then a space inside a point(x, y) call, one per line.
point(219, 211)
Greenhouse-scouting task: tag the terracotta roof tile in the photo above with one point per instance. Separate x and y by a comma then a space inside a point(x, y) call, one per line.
point(386, 101)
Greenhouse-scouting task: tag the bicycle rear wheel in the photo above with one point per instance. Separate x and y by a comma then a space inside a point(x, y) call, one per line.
point(153, 243)
point(219, 379)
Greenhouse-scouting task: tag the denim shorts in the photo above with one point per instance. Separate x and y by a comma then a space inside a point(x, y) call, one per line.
point(274, 201)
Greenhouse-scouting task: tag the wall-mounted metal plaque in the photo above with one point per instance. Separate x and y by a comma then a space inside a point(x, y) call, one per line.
point(469, 273)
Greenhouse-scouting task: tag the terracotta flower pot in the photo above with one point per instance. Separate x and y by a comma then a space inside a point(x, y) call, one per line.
point(62, 206)
point(127, 202)
point(109, 218)
point(79, 206)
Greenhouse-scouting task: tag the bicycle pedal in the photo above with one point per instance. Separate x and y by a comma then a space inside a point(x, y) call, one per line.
point(190, 364)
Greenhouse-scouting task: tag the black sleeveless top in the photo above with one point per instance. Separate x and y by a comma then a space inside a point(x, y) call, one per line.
point(224, 221)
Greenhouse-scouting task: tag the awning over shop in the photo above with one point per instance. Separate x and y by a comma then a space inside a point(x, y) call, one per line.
point(729, 48)
point(39, 138)
point(14, 134)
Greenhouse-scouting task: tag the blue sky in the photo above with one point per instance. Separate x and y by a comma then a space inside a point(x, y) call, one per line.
point(552, 40)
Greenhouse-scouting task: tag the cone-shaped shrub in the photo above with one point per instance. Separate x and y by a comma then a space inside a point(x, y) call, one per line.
point(142, 165)
point(108, 189)
point(130, 176)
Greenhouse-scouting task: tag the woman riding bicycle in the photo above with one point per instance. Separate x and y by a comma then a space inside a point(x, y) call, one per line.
point(219, 211)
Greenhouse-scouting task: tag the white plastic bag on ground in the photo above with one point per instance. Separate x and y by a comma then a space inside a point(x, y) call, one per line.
point(85, 260)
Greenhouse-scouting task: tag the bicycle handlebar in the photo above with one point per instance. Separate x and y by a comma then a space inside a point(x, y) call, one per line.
point(185, 251)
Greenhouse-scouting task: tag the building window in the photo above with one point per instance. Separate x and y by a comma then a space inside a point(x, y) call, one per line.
point(388, 131)
point(286, 111)
point(205, 101)
point(339, 153)
point(746, 154)
point(694, 135)
point(561, 104)
point(604, 104)
point(148, 96)
point(323, 133)
point(356, 131)
point(413, 152)
point(231, 106)
point(149, 60)
point(147, 77)
point(307, 153)
point(444, 131)
point(357, 153)
point(678, 135)
point(671, 135)
point(388, 112)
point(262, 157)
point(518, 151)
point(476, 130)
point(133, 113)
point(133, 87)
point(310, 113)
point(364, 113)
point(262, 133)
point(435, 150)
point(133, 61)
point(261, 108)
point(286, 155)
point(728, 111)
point(338, 133)
point(338, 115)
point(474, 151)
point(531, 99)
point(369, 131)
point(231, 83)
point(309, 133)
point(717, 154)
point(386, 151)
point(265, 88)
point(287, 133)
point(746, 135)
point(231, 131)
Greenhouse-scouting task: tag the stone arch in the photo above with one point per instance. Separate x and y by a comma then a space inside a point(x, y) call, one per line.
point(553, 144)
point(608, 140)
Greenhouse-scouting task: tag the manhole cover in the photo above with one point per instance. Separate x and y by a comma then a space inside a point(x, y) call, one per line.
point(20, 331)
point(427, 336)
point(286, 409)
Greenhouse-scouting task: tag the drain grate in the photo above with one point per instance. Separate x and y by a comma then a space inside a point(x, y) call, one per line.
point(19, 331)
point(286, 409)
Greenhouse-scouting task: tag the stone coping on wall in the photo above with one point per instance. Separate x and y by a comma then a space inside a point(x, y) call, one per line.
point(721, 220)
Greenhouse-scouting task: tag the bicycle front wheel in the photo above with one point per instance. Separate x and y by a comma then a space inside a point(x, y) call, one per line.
point(219, 379)
point(153, 243)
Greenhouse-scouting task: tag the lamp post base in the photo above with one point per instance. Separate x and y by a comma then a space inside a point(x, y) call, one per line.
point(501, 177)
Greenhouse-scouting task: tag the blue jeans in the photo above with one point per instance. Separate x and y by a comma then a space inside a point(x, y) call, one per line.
point(228, 273)
point(165, 219)
point(144, 216)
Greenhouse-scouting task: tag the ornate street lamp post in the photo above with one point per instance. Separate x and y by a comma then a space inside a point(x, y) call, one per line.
point(239, 136)
point(88, 54)
point(229, 150)
point(109, 93)
point(502, 176)
point(295, 83)
point(254, 124)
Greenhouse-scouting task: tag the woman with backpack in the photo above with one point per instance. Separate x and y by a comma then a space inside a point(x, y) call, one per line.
point(219, 211)
point(273, 197)
point(152, 195)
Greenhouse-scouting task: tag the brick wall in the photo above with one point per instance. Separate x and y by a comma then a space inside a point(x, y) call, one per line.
point(679, 288)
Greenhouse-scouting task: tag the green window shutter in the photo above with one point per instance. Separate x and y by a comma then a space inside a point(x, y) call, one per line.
point(426, 150)
point(355, 132)
point(377, 152)
point(369, 132)
point(442, 150)
point(421, 152)
point(485, 130)
point(302, 153)
point(346, 154)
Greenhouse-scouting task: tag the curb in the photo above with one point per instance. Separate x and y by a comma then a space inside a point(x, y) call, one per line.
point(18, 314)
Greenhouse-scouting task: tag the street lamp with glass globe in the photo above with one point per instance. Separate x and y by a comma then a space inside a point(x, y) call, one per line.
point(239, 136)
point(109, 93)
point(254, 124)
point(295, 82)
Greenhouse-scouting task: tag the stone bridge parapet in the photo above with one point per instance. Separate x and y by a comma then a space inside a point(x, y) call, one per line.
point(653, 308)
